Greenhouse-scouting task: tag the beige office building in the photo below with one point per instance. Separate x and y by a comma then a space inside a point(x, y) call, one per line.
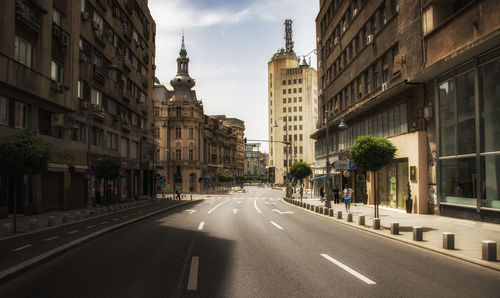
point(293, 99)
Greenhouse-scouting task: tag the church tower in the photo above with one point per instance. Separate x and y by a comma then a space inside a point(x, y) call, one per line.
point(182, 81)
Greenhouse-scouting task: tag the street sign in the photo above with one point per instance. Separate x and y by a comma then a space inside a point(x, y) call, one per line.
point(344, 164)
point(88, 174)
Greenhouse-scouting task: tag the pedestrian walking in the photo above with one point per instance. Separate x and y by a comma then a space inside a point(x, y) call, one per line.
point(178, 193)
point(322, 193)
point(347, 197)
point(336, 195)
point(301, 191)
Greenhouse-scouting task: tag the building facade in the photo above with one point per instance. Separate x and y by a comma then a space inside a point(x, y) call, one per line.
point(393, 69)
point(293, 110)
point(78, 74)
point(192, 149)
point(256, 161)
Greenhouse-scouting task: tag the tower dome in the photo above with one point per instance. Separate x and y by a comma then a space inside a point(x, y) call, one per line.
point(182, 81)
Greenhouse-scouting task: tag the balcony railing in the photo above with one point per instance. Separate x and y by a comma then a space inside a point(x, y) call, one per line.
point(99, 74)
point(28, 16)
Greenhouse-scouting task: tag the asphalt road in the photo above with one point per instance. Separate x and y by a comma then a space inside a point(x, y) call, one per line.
point(249, 245)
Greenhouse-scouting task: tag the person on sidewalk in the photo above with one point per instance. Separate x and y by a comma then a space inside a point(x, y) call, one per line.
point(336, 195)
point(322, 193)
point(178, 194)
point(347, 197)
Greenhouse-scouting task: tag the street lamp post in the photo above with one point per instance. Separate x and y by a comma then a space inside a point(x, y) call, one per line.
point(287, 143)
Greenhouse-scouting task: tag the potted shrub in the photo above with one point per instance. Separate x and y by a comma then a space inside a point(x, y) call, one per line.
point(409, 201)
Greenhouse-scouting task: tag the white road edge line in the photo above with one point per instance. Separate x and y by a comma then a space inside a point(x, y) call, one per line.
point(51, 238)
point(216, 207)
point(193, 274)
point(23, 247)
point(200, 227)
point(352, 271)
point(276, 225)
point(255, 205)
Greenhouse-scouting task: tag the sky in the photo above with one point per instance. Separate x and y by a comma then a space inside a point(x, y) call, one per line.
point(229, 43)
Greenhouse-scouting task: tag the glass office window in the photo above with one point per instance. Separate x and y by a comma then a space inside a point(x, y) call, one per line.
point(458, 181)
point(447, 118)
point(489, 86)
point(466, 127)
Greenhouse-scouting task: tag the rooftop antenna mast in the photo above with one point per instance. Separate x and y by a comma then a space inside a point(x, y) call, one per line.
point(288, 35)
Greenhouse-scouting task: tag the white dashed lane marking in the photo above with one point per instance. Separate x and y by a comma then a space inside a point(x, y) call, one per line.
point(346, 268)
point(22, 247)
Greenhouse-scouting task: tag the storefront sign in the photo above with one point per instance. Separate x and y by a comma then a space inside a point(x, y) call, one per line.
point(344, 164)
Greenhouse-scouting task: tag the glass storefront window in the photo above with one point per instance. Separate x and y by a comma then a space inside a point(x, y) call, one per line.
point(466, 124)
point(392, 184)
point(458, 181)
point(447, 118)
point(489, 84)
point(490, 185)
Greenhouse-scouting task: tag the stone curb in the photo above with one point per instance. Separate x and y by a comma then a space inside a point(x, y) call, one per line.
point(490, 265)
point(72, 222)
point(38, 260)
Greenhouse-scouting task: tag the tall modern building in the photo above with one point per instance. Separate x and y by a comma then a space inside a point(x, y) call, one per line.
point(423, 74)
point(293, 97)
point(192, 149)
point(78, 74)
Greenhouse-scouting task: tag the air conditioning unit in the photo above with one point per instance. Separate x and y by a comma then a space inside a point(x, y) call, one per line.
point(85, 16)
point(65, 39)
point(57, 87)
point(57, 120)
point(335, 40)
point(384, 86)
point(369, 39)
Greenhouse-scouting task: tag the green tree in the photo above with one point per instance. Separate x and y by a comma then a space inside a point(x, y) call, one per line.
point(373, 153)
point(300, 170)
point(22, 153)
point(106, 168)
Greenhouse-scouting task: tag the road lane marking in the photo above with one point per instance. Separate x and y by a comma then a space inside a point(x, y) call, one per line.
point(200, 227)
point(22, 247)
point(216, 207)
point(51, 238)
point(235, 210)
point(352, 271)
point(90, 227)
point(283, 212)
point(115, 219)
point(269, 203)
point(104, 222)
point(276, 225)
point(255, 205)
point(191, 211)
point(72, 232)
point(193, 274)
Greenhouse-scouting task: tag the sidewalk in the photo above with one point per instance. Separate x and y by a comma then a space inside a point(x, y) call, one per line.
point(25, 223)
point(468, 233)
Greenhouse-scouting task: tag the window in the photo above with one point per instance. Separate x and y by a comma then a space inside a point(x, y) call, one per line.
point(284, 82)
point(56, 17)
point(284, 110)
point(56, 71)
point(177, 111)
point(295, 81)
point(178, 154)
point(300, 81)
point(300, 99)
point(294, 118)
point(295, 127)
point(177, 132)
point(300, 127)
point(97, 135)
point(289, 82)
point(134, 150)
point(289, 91)
point(284, 91)
point(295, 137)
point(300, 108)
point(96, 97)
point(300, 118)
point(124, 147)
point(23, 52)
point(99, 23)
point(295, 109)
point(191, 112)
point(284, 100)
point(157, 112)
point(191, 133)
point(112, 141)
point(80, 89)
point(4, 110)
point(294, 90)
point(190, 154)
point(300, 90)
point(301, 149)
point(20, 115)
point(290, 100)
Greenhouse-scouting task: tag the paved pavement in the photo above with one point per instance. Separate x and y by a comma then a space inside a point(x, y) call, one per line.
point(469, 234)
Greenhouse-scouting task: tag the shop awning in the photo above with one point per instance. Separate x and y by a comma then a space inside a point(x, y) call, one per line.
point(317, 178)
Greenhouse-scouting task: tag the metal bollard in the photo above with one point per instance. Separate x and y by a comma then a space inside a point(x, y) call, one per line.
point(312, 207)
point(361, 220)
point(316, 208)
point(339, 214)
point(376, 223)
point(33, 224)
point(321, 210)
point(51, 221)
point(330, 213)
point(325, 211)
point(417, 234)
point(65, 218)
point(395, 228)
point(349, 217)
point(448, 240)
point(308, 206)
point(489, 249)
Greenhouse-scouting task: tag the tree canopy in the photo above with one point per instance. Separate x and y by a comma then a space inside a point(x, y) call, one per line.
point(300, 170)
point(107, 167)
point(23, 153)
point(372, 152)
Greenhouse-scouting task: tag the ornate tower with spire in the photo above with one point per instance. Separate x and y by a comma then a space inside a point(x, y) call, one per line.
point(182, 81)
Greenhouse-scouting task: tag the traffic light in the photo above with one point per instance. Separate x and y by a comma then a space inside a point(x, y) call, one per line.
point(163, 179)
point(245, 141)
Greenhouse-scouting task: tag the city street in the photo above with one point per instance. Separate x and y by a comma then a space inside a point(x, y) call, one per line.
point(249, 244)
